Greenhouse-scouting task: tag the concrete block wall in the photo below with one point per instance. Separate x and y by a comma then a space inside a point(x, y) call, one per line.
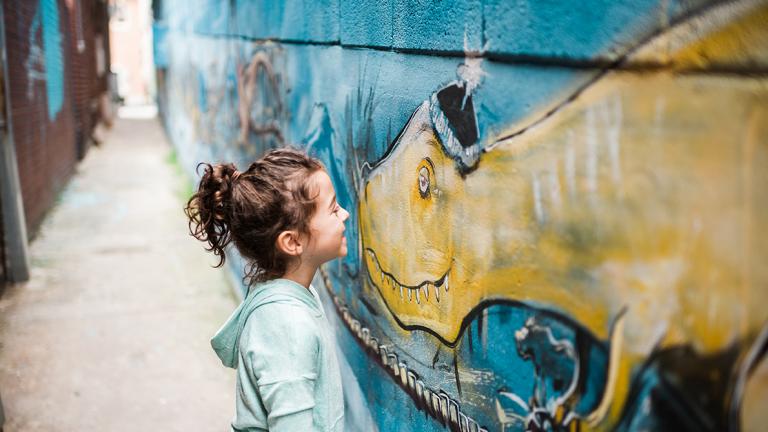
point(580, 185)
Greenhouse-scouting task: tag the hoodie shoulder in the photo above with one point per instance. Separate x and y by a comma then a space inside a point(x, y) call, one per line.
point(279, 314)
point(279, 324)
point(273, 302)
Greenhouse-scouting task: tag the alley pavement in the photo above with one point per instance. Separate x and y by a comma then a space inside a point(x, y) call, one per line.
point(112, 331)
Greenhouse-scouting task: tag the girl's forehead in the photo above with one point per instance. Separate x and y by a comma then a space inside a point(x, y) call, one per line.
point(322, 184)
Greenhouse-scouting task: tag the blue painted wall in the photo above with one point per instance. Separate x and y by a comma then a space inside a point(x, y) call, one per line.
point(343, 79)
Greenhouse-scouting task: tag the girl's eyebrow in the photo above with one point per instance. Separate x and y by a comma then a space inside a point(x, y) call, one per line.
point(333, 201)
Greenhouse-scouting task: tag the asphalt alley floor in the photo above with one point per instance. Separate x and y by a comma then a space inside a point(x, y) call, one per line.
point(112, 331)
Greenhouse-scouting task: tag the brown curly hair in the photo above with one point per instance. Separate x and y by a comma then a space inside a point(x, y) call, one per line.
point(253, 207)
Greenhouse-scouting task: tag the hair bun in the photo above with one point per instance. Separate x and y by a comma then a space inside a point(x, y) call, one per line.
point(210, 209)
point(219, 182)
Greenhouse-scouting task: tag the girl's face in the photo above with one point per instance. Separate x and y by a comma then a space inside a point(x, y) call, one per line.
point(327, 240)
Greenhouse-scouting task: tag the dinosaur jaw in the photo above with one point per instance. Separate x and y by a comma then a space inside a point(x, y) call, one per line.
point(425, 291)
point(424, 303)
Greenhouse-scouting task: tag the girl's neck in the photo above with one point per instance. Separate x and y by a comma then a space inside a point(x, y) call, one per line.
point(301, 274)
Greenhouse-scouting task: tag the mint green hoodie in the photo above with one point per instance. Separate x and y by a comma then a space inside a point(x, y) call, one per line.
point(288, 376)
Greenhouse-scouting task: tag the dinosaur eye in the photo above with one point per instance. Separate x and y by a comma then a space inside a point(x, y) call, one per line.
point(424, 182)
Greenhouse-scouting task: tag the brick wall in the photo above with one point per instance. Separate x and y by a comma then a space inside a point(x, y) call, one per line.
point(87, 26)
point(54, 92)
point(45, 146)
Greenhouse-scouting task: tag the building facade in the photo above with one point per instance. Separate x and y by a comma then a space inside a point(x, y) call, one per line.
point(55, 80)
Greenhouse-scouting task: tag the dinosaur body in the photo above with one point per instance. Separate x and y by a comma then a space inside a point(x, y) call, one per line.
point(646, 193)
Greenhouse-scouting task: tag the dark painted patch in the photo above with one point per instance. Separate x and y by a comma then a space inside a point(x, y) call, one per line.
point(460, 110)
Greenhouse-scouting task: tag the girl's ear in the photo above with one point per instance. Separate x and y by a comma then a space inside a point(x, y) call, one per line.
point(289, 243)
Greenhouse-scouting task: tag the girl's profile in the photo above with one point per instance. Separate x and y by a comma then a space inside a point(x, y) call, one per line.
point(282, 216)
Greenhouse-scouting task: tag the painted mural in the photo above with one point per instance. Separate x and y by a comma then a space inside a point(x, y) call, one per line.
point(541, 247)
point(44, 61)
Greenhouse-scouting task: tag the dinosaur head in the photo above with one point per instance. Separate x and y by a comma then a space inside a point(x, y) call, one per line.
point(410, 203)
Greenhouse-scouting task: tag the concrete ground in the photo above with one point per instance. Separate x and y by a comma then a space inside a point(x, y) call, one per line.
point(112, 331)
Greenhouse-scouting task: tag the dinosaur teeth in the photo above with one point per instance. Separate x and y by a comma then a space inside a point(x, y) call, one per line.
point(387, 280)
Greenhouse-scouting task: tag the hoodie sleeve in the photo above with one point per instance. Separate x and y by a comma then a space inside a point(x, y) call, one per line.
point(281, 348)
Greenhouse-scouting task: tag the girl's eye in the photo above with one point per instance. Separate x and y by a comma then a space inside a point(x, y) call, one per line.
point(424, 182)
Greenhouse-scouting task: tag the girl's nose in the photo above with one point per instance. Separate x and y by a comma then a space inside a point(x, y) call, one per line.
point(345, 214)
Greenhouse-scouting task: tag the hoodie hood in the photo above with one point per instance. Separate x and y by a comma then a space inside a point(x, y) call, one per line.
point(226, 341)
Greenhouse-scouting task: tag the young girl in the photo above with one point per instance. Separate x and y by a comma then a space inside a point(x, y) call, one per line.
point(282, 215)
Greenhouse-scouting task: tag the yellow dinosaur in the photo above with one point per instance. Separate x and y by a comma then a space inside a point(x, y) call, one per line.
point(647, 191)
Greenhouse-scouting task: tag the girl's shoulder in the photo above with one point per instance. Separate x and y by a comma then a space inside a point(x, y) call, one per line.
point(283, 310)
point(278, 327)
point(287, 319)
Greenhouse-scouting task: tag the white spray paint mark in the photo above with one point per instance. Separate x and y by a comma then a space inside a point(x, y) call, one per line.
point(570, 164)
point(614, 136)
point(554, 186)
point(537, 207)
point(591, 157)
point(471, 72)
